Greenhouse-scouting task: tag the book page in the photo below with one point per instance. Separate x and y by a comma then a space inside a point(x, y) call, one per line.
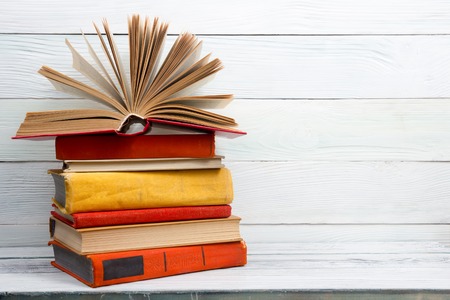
point(192, 80)
point(68, 126)
point(206, 101)
point(123, 81)
point(102, 68)
point(193, 113)
point(184, 45)
point(69, 85)
point(84, 67)
point(146, 45)
point(163, 93)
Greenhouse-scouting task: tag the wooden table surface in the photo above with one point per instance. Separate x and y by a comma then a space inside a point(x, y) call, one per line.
point(290, 271)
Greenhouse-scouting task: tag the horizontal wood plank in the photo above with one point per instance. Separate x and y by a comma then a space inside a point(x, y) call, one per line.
point(37, 235)
point(292, 271)
point(235, 17)
point(259, 249)
point(283, 130)
point(341, 182)
point(327, 261)
point(236, 283)
point(281, 193)
point(267, 66)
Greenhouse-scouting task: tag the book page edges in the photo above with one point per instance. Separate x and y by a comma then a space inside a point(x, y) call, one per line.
point(228, 133)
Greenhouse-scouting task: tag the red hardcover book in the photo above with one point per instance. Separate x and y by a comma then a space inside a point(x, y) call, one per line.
point(128, 266)
point(112, 146)
point(138, 216)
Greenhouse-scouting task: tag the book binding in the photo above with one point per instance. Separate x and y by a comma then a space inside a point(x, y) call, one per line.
point(128, 266)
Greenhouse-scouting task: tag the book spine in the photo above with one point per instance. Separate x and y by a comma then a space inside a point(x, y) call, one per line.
point(111, 146)
point(136, 190)
point(130, 266)
point(137, 216)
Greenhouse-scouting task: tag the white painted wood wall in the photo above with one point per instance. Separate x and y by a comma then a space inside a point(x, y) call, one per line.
point(346, 104)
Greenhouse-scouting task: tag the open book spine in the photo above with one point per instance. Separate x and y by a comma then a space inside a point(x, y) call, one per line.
point(108, 129)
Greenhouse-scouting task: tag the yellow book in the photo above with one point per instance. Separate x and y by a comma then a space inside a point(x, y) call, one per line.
point(100, 191)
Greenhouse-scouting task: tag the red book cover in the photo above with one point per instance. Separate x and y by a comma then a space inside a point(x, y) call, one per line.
point(128, 266)
point(138, 216)
point(112, 146)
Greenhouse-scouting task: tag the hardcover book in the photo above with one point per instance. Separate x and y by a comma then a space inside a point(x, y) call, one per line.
point(100, 191)
point(113, 146)
point(152, 90)
point(127, 266)
point(145, 236)
point(139, 216)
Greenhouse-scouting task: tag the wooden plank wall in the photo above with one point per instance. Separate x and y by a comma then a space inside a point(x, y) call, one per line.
point(346, 104)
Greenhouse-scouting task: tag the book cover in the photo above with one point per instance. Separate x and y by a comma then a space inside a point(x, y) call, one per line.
point(145, 236)
point(151, 90)
point(128, 266)
point(112, 146)
point(139, 216)
point(100, 191)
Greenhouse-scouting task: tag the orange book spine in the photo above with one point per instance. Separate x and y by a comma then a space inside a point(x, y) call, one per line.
point(130, 266)
point(113, 146)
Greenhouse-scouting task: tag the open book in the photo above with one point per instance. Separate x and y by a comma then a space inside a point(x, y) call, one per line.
point(150, 91)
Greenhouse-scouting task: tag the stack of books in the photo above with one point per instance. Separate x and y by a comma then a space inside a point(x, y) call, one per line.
point(135, 200)
point(137, 212)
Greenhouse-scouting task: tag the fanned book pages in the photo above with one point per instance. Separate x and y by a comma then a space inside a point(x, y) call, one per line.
point(151, 90)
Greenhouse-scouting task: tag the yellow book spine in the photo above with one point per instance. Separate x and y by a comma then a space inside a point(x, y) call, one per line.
point(133, 190)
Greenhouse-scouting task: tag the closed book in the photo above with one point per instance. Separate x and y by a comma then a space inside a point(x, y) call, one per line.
point(100, 191)
point(139, 216)
point(128, 266)
point(113, 146)
point(143, 164)
point(145, 236)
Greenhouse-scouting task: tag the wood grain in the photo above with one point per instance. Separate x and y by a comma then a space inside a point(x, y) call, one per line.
point(282, 193)
point(284, 130)
point(350, 284)
point(268, 66)
point(37, 235)
point(235, 17)
point(297, 268)
point(342, 181)
point(258, 249)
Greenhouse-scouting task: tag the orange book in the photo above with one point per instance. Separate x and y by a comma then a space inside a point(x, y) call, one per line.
point(113, 146)
point(128, 266)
